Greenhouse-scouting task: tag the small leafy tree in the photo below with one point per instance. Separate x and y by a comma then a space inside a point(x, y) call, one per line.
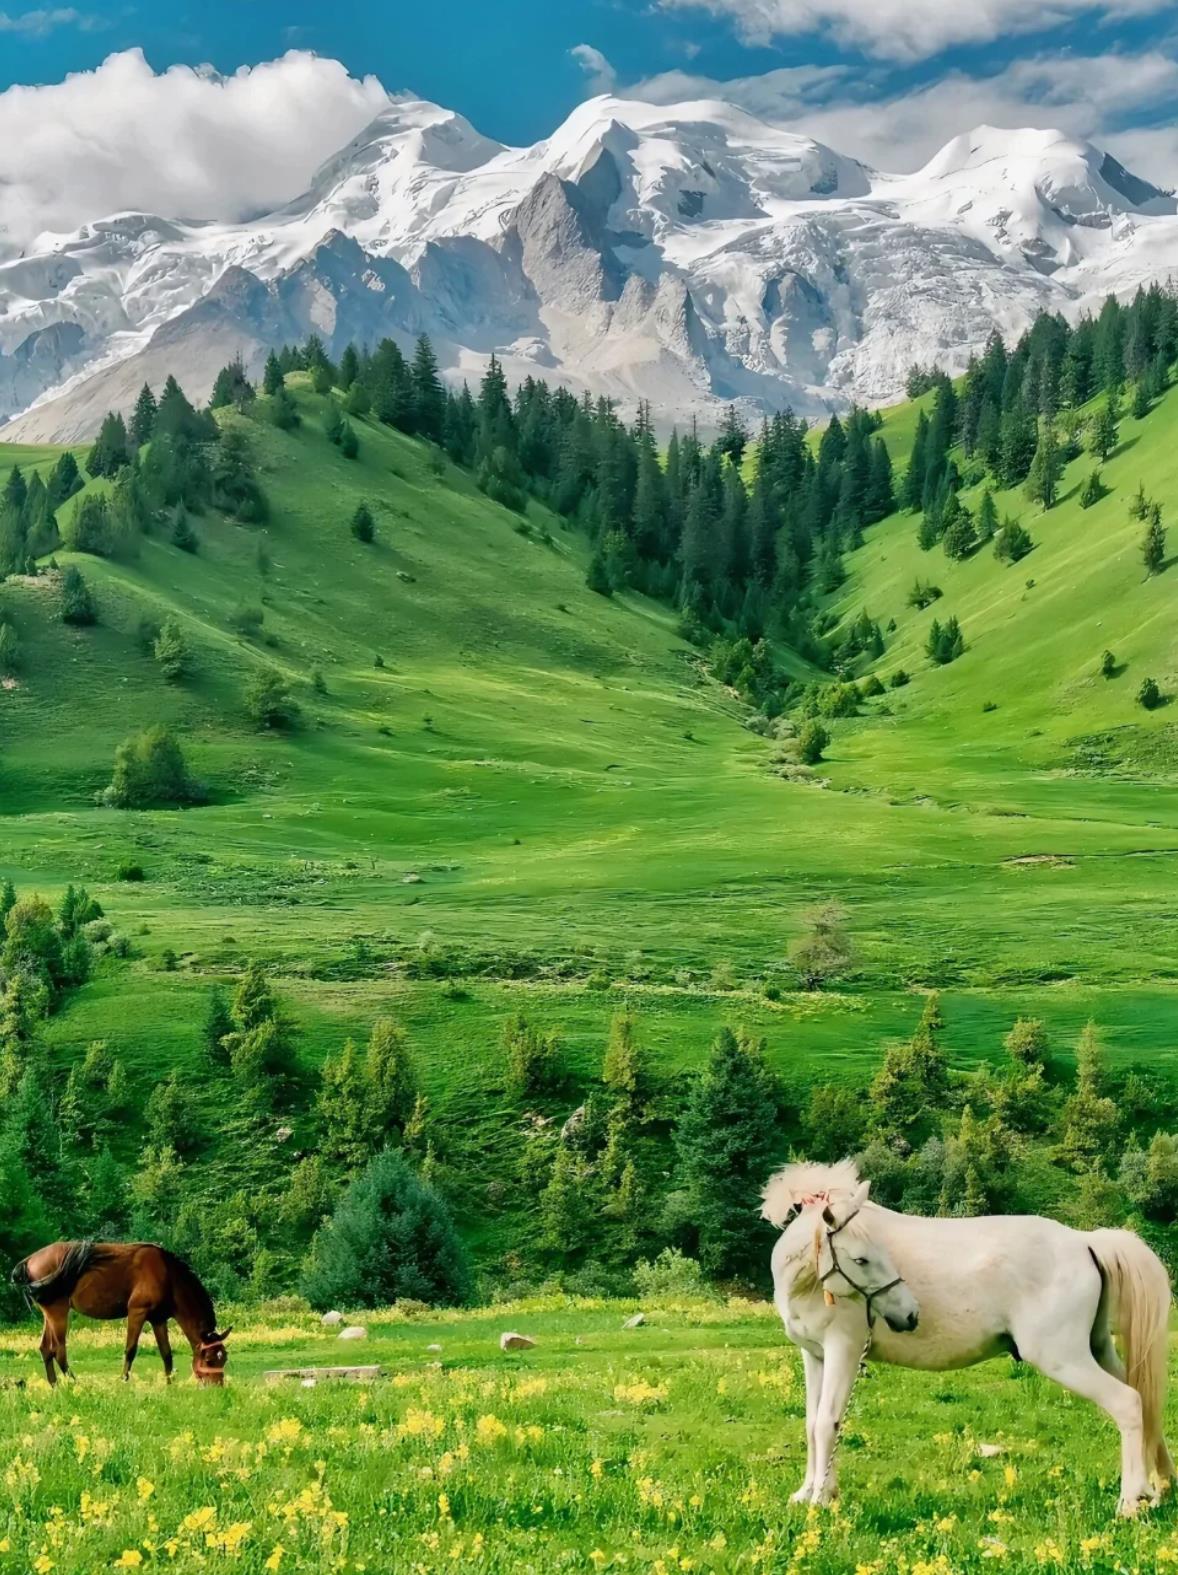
point(1012, 543)
point(149, 772)
point(1108, 665)
point(533, 1057)
point(1149, 695)
point(363, 526)
point(813, 742)
point(268, 700)
point(825, 954)
point(391, 1238)
point(171, 651)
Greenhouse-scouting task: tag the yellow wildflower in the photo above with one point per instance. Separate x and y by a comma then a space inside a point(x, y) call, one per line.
point(145, 1489)
point(275, 1560)
point(129, 1559)
point(489, 1430)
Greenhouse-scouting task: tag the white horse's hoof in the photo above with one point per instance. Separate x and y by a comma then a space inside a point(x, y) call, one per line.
point(1129, 1507)
point(802, 1496)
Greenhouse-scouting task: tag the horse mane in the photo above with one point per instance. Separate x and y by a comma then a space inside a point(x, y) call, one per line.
point(789, 1188)
point(191, 1284)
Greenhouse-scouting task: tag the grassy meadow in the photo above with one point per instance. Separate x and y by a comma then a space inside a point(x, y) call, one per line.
point(673, 1447)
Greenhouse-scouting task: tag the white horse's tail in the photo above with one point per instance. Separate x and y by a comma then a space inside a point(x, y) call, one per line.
point(1139, 1310)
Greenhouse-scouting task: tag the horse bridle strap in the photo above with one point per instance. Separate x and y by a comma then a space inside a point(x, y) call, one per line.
point(837, 1268)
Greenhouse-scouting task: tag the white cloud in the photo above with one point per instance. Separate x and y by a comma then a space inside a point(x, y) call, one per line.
point(38, 23)
point(180, 143)
point(854, 112)
point(602, 76)
point(910, 29)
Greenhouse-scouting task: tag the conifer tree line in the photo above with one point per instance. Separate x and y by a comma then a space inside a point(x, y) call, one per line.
point(168, 461)
point(1022, 414)
point(739, 541)
point(343, 1183)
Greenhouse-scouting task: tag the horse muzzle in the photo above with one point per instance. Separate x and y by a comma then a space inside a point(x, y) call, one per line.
point(902, 1325)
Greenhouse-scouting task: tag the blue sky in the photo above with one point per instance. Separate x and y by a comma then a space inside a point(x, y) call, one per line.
point(223, 108)
point(508, 64)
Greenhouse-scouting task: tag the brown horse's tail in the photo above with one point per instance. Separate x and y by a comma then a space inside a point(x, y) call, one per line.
point(75, 1260)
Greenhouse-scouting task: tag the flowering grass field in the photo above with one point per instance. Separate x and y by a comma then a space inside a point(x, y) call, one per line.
point(670, 1447)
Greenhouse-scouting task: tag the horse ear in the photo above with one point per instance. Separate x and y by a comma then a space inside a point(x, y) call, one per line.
point(860, 1195)
point(828, 1216)
point(225, 1333)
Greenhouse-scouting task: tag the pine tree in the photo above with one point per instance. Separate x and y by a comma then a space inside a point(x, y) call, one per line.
point(171, 651)
point(64, 480)
point(391, 1238)
point(567, 1208)
point(344, 1111)
point(960, 539)
point(911, 1088)
point(1153, 544)
point(987, 517)
point(1047, 468)
point(77, 604)
point(727, 1140)
point(273, 379)
point(1090, 1123)
point(1092, 490)
point(218, 1025)
point(142, 428)
point(1104, 432)
point(391, 1078)
point(428, 394)
point(110, 451)
point(363, 527)
point(623, 1070)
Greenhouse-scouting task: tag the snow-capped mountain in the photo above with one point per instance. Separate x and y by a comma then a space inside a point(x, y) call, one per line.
point(689, 254)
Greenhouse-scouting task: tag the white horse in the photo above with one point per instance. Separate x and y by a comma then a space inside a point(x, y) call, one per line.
point(852, 1279)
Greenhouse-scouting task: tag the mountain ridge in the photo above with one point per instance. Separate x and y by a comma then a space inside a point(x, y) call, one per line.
point(688, 255)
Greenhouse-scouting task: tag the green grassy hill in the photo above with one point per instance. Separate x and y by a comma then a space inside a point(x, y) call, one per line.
point(540, 803)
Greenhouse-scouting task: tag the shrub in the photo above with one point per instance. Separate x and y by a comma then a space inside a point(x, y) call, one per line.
point(1149, 695)
point(89, 529)
point(671, 1274)
point(899, 678)
point(150, 771)
point(1108, 665)
point(363, 525)
point(268, 700)
point(246, 621)
point(813, 742)
point(130, 871)
point(171, 652)
point(390, 1238)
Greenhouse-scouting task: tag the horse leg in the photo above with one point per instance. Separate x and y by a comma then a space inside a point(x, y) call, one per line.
point(839, 1368)
point(812, 1367)
point(160, 1329)
point(61, 1331)
point(136, 1318)
point(48, 1346)
point(1084, 1375)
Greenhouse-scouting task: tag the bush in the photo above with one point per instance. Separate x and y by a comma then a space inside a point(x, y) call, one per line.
point(1108, 665)
point(671, 1274)
point(390, 1238)
point(1149, 695)
point(150, 771)
point(363, 525)
point(171, 652)
point(130, 871)
point(899, 679)
point(813, 742)
point(247, 621)
point(269, 702)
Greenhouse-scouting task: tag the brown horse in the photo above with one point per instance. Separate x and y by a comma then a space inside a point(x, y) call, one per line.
point(133, 1280)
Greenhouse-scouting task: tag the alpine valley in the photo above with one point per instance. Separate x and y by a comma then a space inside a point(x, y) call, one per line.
point(690, 255)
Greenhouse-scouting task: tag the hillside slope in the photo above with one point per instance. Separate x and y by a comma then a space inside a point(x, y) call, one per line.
point(540, 803)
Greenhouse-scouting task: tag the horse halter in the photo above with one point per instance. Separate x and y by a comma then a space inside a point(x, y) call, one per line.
point(837, 1268)
point(209, 1372)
